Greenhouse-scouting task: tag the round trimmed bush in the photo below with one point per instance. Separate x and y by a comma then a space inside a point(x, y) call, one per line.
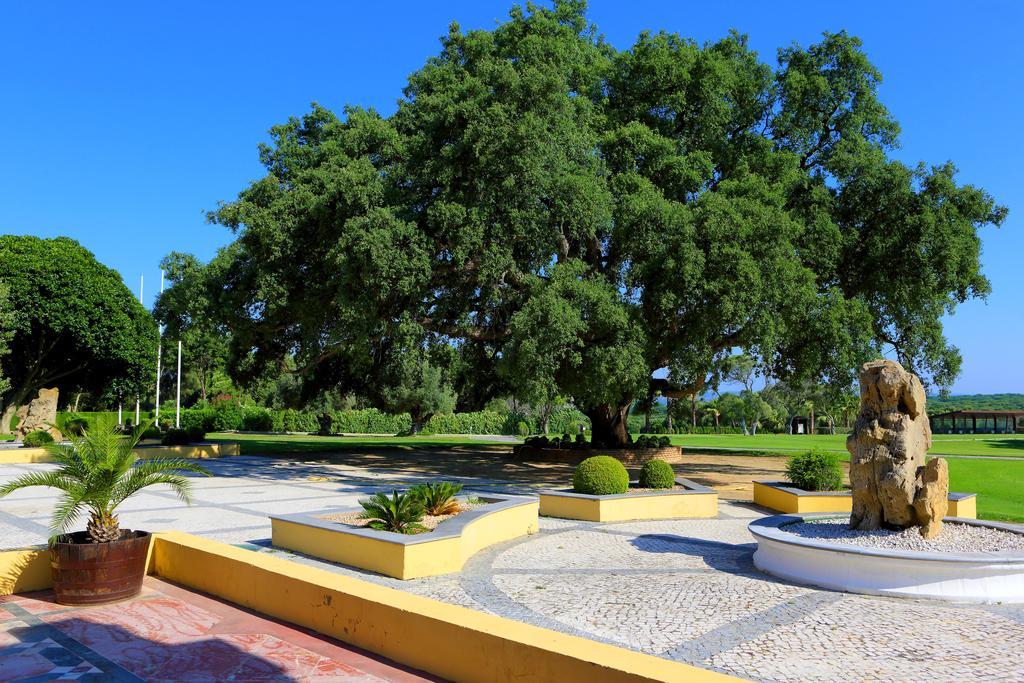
point(815, 471)
point(657, 474)
point(601, 475)
point(37, 439)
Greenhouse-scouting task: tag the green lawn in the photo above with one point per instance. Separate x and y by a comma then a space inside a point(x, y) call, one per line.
point(783, 444)
point(6, 437)
point(275, 444)
point(999, 485)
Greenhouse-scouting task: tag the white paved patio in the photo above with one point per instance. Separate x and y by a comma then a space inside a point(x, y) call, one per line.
point(682, 589)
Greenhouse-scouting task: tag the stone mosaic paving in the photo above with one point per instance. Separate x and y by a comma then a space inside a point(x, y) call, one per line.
point(680, 589)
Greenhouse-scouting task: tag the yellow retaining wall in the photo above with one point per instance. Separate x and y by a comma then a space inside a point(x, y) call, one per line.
point(402, 560)
point(772, 496)
point(452, 642)
point(24, 570)
point(624, 508)
point(16, 456)
point(965, 507)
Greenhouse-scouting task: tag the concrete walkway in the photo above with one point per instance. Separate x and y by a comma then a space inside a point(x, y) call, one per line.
point(683, 589)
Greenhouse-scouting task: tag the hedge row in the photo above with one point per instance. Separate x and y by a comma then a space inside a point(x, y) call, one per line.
point(686, 428)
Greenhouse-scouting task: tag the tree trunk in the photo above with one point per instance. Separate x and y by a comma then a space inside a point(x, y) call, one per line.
point(668, 414)
point(647, 421)
point(693, 408)
point(77, 397)
point(608, 425)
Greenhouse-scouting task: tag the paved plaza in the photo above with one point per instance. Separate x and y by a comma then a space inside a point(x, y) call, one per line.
point(685, 589)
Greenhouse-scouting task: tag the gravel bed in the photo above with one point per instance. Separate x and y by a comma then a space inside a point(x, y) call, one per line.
point(430, 522)
point(955, 538)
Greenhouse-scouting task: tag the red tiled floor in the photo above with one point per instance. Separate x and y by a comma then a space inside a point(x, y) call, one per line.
point(171, 634)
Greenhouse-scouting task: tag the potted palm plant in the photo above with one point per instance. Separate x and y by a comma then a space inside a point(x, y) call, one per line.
point(96, 472)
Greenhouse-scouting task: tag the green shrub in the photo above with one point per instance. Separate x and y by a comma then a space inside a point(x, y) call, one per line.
point(152, 432)
point(175, 437)
point(438, 497)
point(368, 421)
point(299, 421)
point(601, 475)
point(198, 418)
point(37, 439)
point(257, 419)
point(195, 434)
point(657, 474)
point(815, 471)
point(401, 513)
point(664, 442)
point(75, 426)
point(522, 429)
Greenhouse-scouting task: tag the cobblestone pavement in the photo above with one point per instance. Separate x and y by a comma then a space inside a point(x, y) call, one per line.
point(680, 589)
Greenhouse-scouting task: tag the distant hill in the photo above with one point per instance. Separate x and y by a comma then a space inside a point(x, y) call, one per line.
point(938, 404)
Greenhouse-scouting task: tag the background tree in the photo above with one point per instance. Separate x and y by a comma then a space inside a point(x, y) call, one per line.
point(75, 324)
point(187, 309)
point(420, 391)
point(6, 332)
point(558, 212)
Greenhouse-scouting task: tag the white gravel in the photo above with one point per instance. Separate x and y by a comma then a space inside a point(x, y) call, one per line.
point(955, 538)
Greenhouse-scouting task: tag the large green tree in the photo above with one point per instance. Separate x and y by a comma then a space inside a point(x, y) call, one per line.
point(559, 213)
point(75, 325)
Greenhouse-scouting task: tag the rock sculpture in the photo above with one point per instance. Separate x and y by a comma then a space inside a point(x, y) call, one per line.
point(893, 487)
point(41, 413)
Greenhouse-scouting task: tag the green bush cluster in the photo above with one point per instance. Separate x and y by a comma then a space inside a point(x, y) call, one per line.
point(815, 471)
point(483, 422)
point(564, 442)
point(368, 421)
point(182, 437)
point(657, 474)
point(601, 475)
point(649, 441)
point(37, 439)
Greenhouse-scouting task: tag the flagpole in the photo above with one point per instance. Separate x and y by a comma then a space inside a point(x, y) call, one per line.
point(177, 401)
point(137, 401)
point(159, 354)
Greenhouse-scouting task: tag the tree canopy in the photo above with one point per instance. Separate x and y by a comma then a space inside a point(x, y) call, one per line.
point(74, 324)
point(543, 210)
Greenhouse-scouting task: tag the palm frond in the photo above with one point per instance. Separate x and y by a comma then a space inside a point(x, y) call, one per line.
point(157, 471)
point(54, 479)
point(67, 510)
point(98, 470)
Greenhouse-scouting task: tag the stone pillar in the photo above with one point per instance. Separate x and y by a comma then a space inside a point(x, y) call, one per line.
point(41, 413)
point(892, 487)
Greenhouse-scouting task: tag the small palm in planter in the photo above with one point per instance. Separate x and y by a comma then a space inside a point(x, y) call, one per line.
point(401, 513)
point(96, 472)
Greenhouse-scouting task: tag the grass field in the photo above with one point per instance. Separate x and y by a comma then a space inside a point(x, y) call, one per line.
point(277, 444)
point(784, 444)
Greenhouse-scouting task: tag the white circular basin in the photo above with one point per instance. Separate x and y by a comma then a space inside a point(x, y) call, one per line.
point(987, 577)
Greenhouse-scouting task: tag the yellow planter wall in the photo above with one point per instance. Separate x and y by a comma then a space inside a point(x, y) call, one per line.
point(404, 557)
point(17, 456)
point(775, 495)
point(452, 642)
point(699, 502)
point(24, 570)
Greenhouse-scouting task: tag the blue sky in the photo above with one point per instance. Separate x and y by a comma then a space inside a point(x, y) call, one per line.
point(124, 122)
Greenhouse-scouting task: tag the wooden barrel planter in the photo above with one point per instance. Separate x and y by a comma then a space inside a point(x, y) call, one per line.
point(86, 573)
